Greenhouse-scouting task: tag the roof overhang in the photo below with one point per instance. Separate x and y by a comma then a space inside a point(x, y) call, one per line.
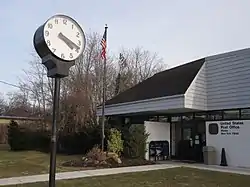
point(170, 103)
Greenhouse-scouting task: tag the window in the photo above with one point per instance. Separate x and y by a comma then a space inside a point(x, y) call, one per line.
point(163, 119)
point(175, 118)
point(188, 117)
point(245, 113)
point(213, 128)
point(153, 118)
point(127, 120)
point(231, 114)
point(200, 116)
point(186, 133)
point(138, 119)
point(215, 115)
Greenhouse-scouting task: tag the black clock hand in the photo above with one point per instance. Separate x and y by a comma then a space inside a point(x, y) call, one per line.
point(66, 40)
point(76, 46)
point(73, 44)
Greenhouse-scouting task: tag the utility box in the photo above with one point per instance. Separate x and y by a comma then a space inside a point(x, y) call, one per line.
point(209, 155)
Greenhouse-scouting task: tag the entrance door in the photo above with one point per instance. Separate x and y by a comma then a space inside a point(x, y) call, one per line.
point(190, 146)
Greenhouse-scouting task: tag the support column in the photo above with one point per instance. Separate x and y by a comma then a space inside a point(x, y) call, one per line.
point(171, 137)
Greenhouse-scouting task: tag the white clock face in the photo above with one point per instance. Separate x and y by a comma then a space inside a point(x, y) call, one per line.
point(64, 37)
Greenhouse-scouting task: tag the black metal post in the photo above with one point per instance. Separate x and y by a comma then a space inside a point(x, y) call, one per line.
point(56, 98)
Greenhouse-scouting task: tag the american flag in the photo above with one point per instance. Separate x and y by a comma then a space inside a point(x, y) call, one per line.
point(104, 44)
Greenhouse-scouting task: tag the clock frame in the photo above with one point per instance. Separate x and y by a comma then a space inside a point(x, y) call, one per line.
point(41, 43)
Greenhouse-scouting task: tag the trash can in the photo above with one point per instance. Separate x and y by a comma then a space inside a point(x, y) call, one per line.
point(209, 155)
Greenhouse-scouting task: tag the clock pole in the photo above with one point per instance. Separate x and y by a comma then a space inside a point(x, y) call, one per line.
point(58, 61)
point(56, 98)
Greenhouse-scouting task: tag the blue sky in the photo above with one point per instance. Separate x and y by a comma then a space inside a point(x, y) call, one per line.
point(179, 31)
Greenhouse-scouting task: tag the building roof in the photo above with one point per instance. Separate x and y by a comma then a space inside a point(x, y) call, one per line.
point(174, 81)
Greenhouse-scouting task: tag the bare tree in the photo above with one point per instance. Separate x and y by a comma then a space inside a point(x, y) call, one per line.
point(3, 104)
point(84, 85)
point(37, 85)
point(81, 91)
point(138, 65)
point(18, 104)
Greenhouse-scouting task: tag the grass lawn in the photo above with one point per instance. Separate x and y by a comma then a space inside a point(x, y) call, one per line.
point(177, 177)
point(14, 164)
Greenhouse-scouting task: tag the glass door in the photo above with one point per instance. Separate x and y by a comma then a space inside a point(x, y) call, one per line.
point(185, 146)
point(191, 144)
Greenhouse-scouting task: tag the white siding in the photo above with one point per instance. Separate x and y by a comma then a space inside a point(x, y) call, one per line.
point(228, 80)
point(156, 104)
point(196, 94)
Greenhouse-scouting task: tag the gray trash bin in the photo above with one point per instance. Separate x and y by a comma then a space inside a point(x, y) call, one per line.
point(209, 155)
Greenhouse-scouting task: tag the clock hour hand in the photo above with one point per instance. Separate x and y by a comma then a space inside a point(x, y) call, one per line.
point(68, 41)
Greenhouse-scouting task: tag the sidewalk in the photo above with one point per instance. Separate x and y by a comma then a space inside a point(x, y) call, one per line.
point(228, 169)
point(111, 171)
point(82, 174)
point(241, 171)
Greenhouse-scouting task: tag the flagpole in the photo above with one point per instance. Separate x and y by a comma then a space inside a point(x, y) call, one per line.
point(104, 92)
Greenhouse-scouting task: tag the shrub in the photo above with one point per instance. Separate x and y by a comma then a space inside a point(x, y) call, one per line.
point(79, 142)
point(135, 145)
point(14, 136)
point(28, 136)
point(23, 138)
point(115, 142)
point(96, 154)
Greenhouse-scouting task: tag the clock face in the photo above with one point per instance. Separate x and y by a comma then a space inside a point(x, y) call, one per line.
point(64, 37)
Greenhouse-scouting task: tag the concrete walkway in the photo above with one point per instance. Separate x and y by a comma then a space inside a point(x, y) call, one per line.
point(228, 169)
point(241, 171)
point(101, 172)
point(82, 174)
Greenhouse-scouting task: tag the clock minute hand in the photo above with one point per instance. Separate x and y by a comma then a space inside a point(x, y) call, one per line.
point(69, 42)
point(66, 40)
point(73, 44)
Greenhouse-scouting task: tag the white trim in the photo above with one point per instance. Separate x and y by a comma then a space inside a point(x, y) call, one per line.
point(142, 101)
point(155, 104)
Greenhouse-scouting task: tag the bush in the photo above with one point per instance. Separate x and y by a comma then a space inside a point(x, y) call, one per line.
point(22, 138)
point(14, 136)
point(135, 144)
point(28, 137)
point(79, 142)
point(96, 154)
point(115, 142)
